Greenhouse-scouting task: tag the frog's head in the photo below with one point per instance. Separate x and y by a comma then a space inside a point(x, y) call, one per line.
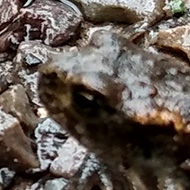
point(82, 94)
point(81, 91)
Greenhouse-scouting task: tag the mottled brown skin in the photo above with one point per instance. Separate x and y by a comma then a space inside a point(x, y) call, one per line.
point(128, 106)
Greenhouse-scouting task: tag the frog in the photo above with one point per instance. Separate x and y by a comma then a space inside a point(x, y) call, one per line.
point(128, 106)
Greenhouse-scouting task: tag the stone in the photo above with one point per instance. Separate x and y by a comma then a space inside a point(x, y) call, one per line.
point(176, 39)
point(70, 158)
point(9, 9)
point(15, 102)
point(55, 184)
point(7, 74)
point(6, 176)
point(49, 138)
point(29, 81)
point(16, 151)
point(22, 184)
point(34, 52)
point(52, 22)
point(121, 11)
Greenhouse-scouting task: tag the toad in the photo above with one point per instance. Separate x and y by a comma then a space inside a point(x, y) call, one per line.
point(128, 106)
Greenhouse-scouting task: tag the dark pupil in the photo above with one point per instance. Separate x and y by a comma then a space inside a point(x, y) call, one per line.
point(89, 105)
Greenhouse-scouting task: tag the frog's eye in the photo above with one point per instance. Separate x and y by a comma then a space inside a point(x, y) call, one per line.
point(86, 101)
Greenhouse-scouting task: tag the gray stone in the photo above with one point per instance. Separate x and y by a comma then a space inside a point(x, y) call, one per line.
point(49, 138)
point(55, 184)
point(70, 158)
point(6, 176)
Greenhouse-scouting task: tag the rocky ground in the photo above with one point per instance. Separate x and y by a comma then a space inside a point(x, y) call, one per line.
point(36, 153)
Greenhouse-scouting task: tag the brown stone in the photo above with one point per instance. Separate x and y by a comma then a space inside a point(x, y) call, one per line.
point(16, 152)
point(176, 39)
point(121, 11)
point(8, 9)
point(52, 22)
point(15, 102)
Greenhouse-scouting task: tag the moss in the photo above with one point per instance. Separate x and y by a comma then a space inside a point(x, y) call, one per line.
point(178, 6)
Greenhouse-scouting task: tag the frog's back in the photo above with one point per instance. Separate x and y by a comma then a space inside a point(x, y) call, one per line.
point(158, 88)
